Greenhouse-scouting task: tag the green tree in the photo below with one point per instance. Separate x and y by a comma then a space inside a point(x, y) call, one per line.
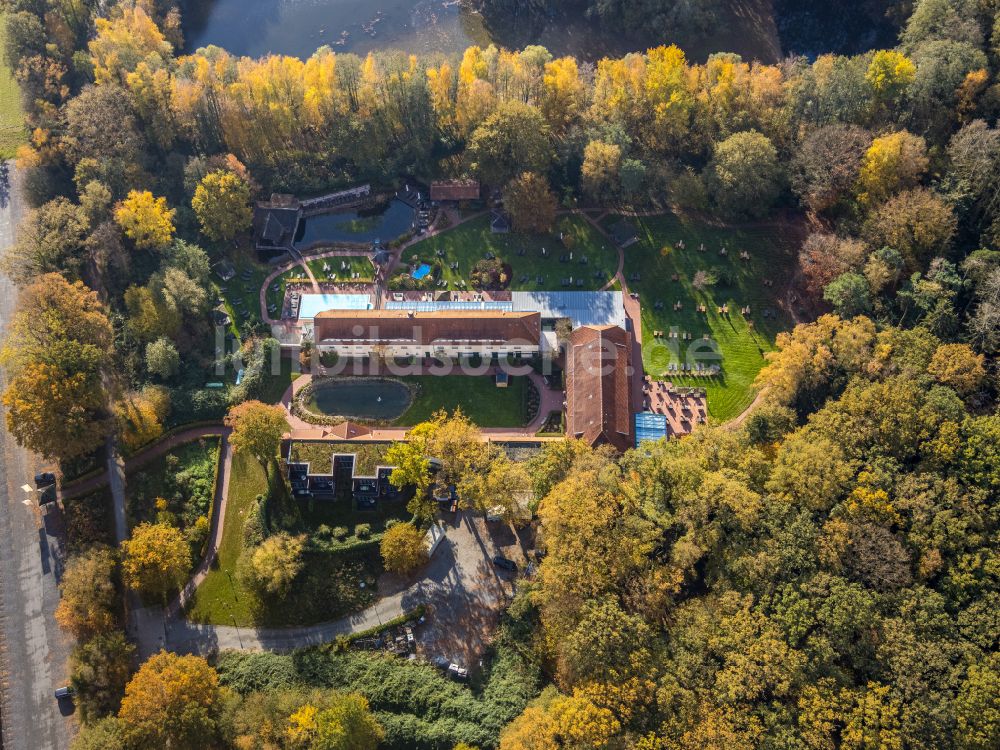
point(222, 204)
point(744, 177)
point(51, 239)
point(977, 705)
point(512, 140)
point(105, 734)
point(849, 294)
point(99, 670)
point(531, 203)
point(162, 358)
point(257, 430)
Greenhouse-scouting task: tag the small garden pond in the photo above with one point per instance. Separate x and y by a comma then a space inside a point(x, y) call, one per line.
point(368, 398)
point(384, 223)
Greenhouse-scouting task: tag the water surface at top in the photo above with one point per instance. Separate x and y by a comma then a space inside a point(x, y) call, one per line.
point(256, 28)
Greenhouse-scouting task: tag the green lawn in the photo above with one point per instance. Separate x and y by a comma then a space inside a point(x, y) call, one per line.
point(242, 293)
point(12, 130)
point(184, 477)
point(468, 243)
point(477, 396)
point(342, 268)
point(656, 257)
point(216, 599)
point(277, 384)
point(328, 586)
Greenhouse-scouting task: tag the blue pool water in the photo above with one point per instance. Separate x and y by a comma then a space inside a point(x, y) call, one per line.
point(422, 271)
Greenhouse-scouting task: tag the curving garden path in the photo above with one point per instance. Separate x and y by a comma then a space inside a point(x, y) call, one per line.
point(142, 457)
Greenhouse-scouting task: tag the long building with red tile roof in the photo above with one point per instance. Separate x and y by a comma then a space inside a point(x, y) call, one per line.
point(447, 333)
point(599, 386)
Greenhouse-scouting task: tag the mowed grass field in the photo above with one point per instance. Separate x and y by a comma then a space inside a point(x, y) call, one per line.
point(12, 129)
point(477, 396)
point(741, 341)
point(342, 268)
point(470, 242)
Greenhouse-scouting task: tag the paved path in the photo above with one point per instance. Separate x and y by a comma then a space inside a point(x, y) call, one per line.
point(33, 650)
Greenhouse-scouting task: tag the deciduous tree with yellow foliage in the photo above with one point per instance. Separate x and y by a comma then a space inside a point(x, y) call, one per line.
point(155, 560)
point(172, 702)
point(222, 204)
point(146, 220)
point(403, 549)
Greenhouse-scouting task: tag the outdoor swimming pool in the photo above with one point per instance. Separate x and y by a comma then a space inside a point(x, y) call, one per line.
point(361, 398)
point(356, 226)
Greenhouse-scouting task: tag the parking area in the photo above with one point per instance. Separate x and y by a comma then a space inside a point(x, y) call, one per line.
point(463, 590)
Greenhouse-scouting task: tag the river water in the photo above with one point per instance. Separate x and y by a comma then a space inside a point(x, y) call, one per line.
point(298, 27)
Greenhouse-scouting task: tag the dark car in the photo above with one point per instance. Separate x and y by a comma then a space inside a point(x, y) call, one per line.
point(47, 495)
point(505, 563)
point(44, 479)
point(64, 692)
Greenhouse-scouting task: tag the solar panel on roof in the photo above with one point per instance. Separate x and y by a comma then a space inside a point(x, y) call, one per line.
point(583, 308)
point(422, 306)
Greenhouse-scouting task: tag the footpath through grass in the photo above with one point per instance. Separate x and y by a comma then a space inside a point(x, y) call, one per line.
point(217, 600)
point(12, 129)
point(740, 340)
point(470, 242)
point(477, 396)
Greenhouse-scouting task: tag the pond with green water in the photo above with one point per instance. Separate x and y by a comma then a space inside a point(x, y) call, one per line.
point(368, 398)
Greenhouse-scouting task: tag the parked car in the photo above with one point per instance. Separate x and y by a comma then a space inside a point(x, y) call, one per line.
point(66, 691)
point(44, 479)
point(505, 563)
point(458, 673)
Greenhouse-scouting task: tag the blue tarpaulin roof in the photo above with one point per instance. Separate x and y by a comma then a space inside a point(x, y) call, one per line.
point(649, 426)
